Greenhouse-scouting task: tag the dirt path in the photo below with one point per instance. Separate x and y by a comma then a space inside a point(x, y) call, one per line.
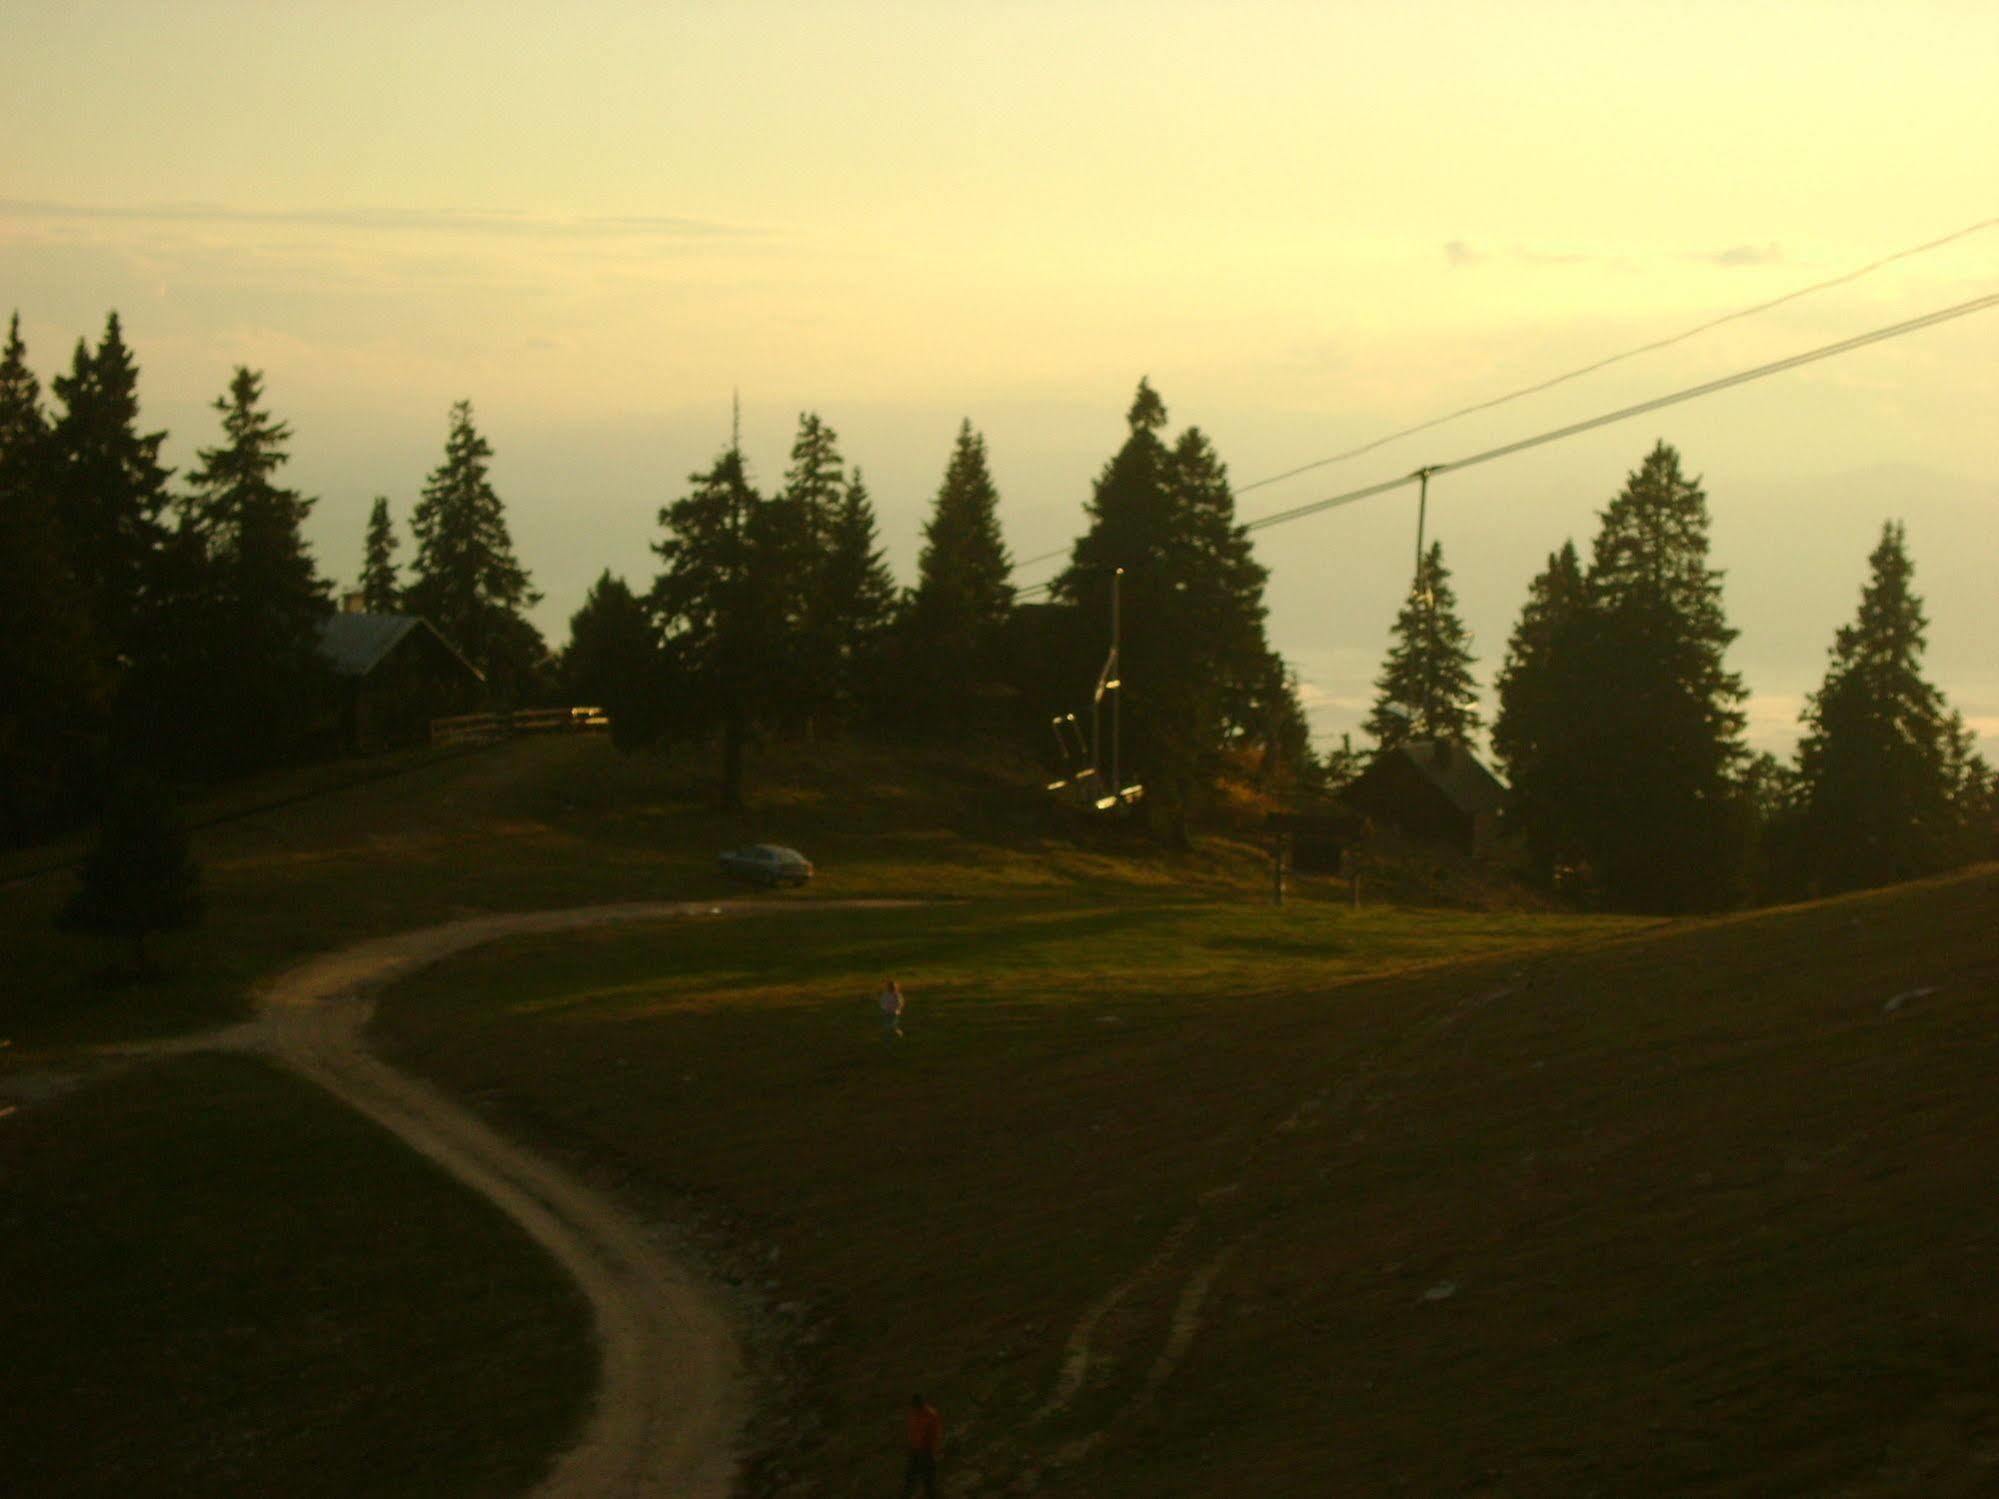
point(672, 1394)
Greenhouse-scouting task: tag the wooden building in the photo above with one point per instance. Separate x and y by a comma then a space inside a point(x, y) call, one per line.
point(1434, 789)
point(395, 673)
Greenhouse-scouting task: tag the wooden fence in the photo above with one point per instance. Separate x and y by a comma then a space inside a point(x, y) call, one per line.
point(476, 728)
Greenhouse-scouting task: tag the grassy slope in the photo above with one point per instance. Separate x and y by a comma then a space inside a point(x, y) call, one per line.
point(214, 1281)
point(154, 1216)
point(1695, 1213)
point(553, 822)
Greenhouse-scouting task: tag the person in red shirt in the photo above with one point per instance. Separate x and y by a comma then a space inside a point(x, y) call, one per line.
point(926, 1435)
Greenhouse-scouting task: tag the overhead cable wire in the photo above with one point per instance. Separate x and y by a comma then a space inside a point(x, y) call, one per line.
point(1692, 392)
point(1651, 348)
point(1588, 369)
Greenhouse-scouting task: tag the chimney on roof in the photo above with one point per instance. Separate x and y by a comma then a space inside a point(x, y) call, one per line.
point(354, 603)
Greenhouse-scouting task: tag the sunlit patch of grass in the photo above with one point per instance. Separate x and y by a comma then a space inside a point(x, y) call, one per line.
point(1640, 1208)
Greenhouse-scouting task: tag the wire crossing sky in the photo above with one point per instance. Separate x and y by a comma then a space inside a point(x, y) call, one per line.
point(1306, 225)
point(1589, 424)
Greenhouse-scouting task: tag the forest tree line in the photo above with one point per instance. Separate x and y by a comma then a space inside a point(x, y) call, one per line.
point(173, 630)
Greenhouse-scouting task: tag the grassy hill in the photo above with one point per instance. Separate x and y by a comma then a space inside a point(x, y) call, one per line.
point(1165, 1192)
point(1151, 1209)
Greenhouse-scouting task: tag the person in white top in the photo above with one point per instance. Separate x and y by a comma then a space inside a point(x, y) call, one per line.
point(891, 1003)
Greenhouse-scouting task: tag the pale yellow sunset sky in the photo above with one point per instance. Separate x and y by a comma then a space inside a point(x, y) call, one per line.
point(1308, 224)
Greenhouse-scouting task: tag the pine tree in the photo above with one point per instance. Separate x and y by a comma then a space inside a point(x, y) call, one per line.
point(1541, 705)
point(857, 594)
point(1193, 659)
point(51, 679)
point(1656, 747)
point(466, 581)
point(714, 605)
point(1426, 689)
point(111, 496)
point(1891, 788)
point(260, 593)
point(798, 523)
point(139, 877)
point(962, 597)
point(381, 591)
point(612, 660)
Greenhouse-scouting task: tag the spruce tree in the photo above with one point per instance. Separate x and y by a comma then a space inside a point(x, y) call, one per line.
point(797, 523)
point(1193, 657)
point(962, 597)
point(714, 605)
point(111, 496)
point(1890, 787)
point(261, 592)
point(857, 595)
point(1658, 740)
point(1426, 690)
point(381, 591)
point(466, 580)
point(1541, 705)
point(51, 678)
point(612, 660)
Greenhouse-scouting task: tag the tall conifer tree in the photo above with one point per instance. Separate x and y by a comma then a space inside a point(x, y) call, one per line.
point(261, 593)
point(1541, 704)
point(612, 660)
point(1426, 689)
point(111, 495)
point(1193, 656)
point(712, 603)
point(466, 580)
point(962, 597)
point(858, 594)
point(1659, 741)
point(1890, 786)
point(381, 591)
point(51, 681)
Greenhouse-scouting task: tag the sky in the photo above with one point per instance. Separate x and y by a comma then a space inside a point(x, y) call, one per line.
point(1309, 225)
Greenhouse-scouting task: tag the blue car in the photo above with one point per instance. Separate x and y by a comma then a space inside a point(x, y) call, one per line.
point(767, 864)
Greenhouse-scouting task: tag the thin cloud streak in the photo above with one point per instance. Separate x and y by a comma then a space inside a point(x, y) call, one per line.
point(425, 221)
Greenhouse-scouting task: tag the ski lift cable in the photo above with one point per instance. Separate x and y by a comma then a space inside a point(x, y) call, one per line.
point(1650, 348)
point(1588, 369)
point(1692, 392)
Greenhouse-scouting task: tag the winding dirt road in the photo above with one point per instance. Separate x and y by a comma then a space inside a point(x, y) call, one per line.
point(672, 1395)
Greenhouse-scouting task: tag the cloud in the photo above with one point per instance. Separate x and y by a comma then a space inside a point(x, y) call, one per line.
point(1736, 256)
point(1461, 253)
point(423, 221)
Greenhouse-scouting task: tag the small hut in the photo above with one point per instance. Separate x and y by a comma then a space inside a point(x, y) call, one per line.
point(395, 674)
point(1434, 789)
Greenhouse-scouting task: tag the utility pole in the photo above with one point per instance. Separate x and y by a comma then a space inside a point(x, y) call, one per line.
point(1117, 685)
point(1422, 581)
point(1422, 478)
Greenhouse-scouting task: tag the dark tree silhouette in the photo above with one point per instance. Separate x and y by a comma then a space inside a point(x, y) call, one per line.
point(256, 690)
point(612, 660)
point(1541, 702)
point(111, 496)
point(1890, 788)
point(465, 579)
point(381, 590)
point(52, 678)
point(856, 598)
point(139, 878)
point(1426, 689)
point(1194, 659)
point(958, 611)
point(1657, 734)
point(718, 606)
